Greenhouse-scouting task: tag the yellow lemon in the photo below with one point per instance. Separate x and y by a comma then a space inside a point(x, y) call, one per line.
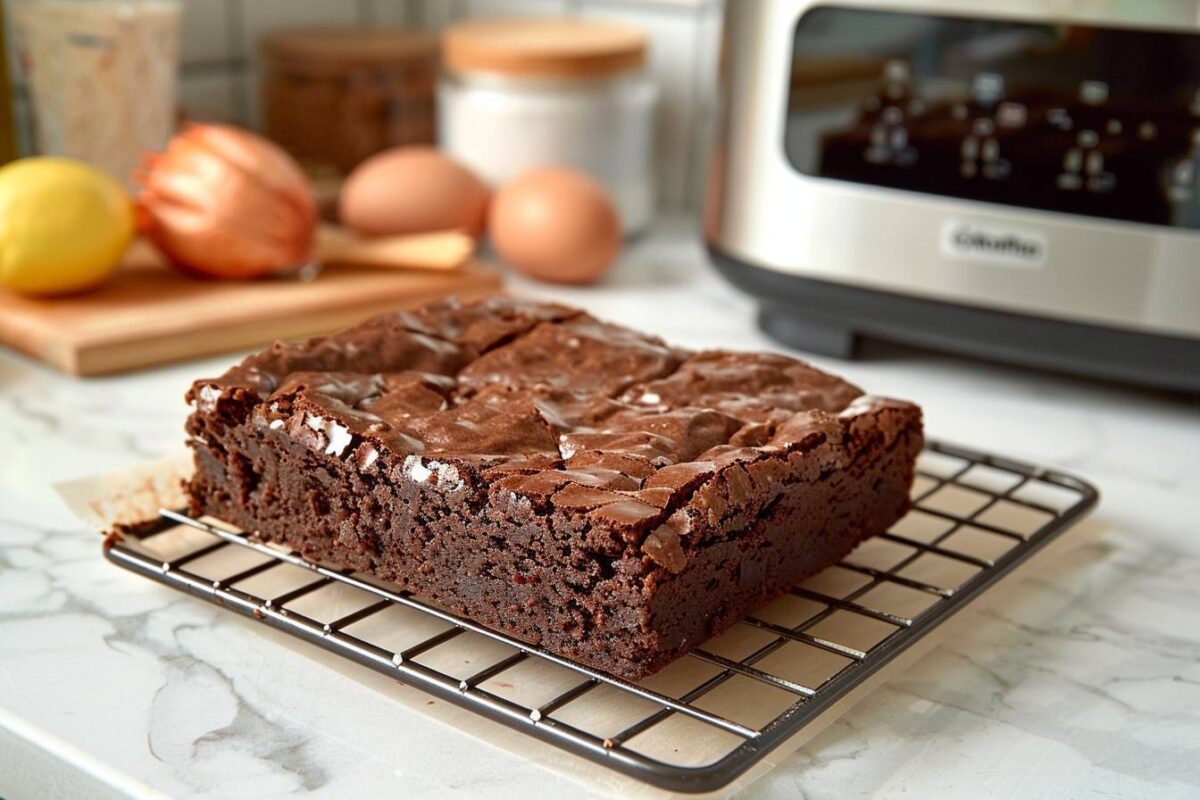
point(63, 225)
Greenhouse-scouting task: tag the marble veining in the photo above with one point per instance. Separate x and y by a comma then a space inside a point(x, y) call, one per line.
point(1081, 682)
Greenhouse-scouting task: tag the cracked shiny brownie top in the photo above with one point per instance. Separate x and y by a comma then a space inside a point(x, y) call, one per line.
point(544, 402)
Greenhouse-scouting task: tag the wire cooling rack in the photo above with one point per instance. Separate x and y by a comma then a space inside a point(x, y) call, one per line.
point(712, 714)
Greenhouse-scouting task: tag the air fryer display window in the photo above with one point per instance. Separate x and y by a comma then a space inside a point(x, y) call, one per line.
point(1081, 119)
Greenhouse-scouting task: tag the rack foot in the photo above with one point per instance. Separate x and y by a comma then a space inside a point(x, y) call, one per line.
point(806, 331)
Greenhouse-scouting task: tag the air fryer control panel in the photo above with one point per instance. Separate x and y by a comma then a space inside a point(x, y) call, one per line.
point(1076, 118)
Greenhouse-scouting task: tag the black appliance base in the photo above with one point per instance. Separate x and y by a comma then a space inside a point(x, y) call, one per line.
point(831, 318)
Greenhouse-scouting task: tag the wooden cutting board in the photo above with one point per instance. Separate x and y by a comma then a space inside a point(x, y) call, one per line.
point(149, 314)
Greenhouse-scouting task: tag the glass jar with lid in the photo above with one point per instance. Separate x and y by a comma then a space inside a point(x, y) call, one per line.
point(519, 94)
point(334, 95)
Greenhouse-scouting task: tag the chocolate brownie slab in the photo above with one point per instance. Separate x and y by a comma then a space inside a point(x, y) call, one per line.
point(584, 487)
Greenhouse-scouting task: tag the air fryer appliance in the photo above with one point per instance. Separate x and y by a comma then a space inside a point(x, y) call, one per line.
point(993, 179)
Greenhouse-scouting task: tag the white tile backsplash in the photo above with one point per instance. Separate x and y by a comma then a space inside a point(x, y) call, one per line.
point(260, 16)
point(250, 97)
point(209, 97)
point(519, 8)
point(707, 58)
point(393, 12)
point(220, 79)
point(205, 31)
point(673, 37)
point(434, 14)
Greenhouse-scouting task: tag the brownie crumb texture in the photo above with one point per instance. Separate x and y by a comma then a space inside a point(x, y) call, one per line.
point(583, 487)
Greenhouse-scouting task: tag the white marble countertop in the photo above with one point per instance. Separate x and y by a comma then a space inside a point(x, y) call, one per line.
point(1089, 685)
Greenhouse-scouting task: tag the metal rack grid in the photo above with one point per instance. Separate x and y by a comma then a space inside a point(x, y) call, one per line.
point(715, 712)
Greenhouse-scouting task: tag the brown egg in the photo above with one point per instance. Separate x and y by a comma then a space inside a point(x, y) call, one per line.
point(555, 224)
point(412, 190)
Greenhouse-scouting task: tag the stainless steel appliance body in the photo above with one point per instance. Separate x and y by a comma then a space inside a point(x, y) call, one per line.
point(1006, 181)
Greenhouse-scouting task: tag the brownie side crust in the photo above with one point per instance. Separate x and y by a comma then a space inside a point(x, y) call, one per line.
point(578, 485)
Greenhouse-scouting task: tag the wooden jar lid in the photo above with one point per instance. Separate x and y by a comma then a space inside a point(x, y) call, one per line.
point(543, 48)
point(343, 46)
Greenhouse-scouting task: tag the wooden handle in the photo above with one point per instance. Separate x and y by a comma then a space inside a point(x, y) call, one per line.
point(440, 250)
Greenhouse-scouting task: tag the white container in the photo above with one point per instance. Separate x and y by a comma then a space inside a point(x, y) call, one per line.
point(515, 95)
